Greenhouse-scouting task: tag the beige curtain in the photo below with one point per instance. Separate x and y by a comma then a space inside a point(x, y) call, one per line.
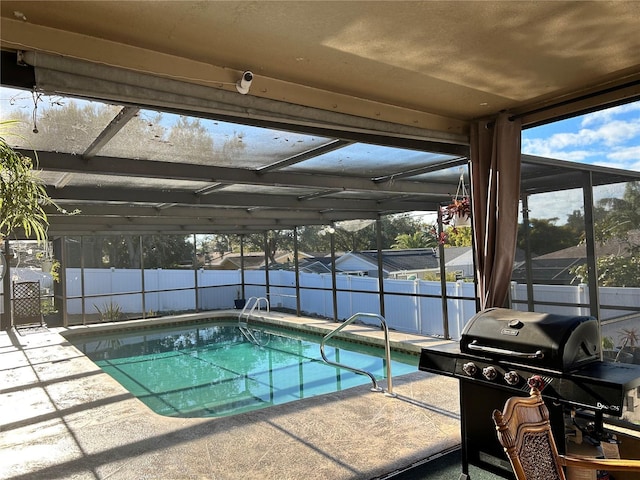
point(495, 193)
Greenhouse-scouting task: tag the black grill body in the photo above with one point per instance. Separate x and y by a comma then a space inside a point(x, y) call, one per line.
point(501, 349)
point(544, 340)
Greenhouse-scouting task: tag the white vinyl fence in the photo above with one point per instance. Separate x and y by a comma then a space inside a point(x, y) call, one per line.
point(168, 291)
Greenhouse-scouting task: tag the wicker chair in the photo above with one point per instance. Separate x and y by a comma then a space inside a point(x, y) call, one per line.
point(525, 433)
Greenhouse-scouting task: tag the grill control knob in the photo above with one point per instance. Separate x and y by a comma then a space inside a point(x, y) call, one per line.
point(470, 369)
point(490, 373)
point(512, 378)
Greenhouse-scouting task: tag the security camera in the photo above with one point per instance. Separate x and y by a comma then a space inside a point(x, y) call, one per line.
point(244, 83)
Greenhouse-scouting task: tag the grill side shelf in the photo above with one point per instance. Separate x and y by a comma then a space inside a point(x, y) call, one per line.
point(441, 363)
point(601, 386)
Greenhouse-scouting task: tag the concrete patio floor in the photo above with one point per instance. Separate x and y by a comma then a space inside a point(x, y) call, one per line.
point(62, 417)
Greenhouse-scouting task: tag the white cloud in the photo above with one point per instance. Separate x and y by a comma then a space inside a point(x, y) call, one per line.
point(611, 133)
point(623, 154)
point(582, 156)
point(535, 146)
point(619, 131)
point(608, 164)
point(556, 149)
point(608, 137)
point(604, 116)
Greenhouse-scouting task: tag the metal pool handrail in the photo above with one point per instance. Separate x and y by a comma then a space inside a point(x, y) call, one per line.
point(350, 320)
point(255, 305)
point(244, 325)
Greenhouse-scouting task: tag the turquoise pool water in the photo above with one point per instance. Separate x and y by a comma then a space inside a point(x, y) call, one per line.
point(212, 370)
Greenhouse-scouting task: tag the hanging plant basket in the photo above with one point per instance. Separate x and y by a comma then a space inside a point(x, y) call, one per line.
point(458, 212)
point(46, 265)
point(461, 221)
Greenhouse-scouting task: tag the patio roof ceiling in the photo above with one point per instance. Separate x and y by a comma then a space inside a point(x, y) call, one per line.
point(356, 109)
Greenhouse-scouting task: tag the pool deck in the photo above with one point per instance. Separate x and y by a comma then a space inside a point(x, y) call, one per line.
point(62, 417)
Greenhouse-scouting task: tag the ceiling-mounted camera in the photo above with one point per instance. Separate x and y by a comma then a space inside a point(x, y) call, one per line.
point(244, 83)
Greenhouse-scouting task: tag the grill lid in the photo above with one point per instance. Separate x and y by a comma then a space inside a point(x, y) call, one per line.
point(557, 342)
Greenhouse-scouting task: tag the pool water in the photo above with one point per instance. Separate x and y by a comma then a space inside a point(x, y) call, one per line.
point(212, 370)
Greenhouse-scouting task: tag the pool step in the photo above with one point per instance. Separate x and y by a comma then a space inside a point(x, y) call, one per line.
point(224, 407)
point(248, 333)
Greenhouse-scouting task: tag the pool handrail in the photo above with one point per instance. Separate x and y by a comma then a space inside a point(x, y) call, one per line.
point(244, 325)
point(351, 319)
point(254, 303)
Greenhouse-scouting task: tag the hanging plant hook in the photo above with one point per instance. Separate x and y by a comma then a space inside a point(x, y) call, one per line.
point(461, 192)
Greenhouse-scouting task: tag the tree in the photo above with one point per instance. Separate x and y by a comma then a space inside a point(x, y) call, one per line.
point(418, 239)
point(123, 251)
point(311, 240)
point(618, 215)
point(545, 237)
point(458, 237)
point(166, 251)
point(277, 240)
point(75, 122)
point(394, 225)
point(613, 271)
point(233, 147)
point(190, 136)
point(363, 239)
point(575, 221)
point(615, 220)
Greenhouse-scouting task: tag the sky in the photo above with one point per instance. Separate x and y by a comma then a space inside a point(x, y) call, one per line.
point(609, 138)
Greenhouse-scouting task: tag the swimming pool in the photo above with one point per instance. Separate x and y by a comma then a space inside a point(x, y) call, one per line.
point(213, 370)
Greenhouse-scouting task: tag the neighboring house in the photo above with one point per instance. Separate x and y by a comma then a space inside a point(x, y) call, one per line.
point(401, 264)
point(460, 261)
point(231, 261)
point(315, 265)
point(252, 261)
point(555, 268)
point(408, 264)
point(548, 271)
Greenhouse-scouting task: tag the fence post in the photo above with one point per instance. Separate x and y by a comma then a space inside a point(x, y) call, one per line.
point(459, 307)
point(418, 306)
point(582, 297)
point(513, 292)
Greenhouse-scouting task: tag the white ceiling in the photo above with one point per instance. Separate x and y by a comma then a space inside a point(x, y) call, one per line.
point(432, 64)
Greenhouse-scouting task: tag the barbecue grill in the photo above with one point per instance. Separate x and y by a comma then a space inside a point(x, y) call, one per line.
point(501, 349)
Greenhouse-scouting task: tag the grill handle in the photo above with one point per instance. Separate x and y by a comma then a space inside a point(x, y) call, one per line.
point(500, 351)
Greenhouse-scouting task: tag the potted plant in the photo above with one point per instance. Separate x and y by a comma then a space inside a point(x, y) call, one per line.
point(630, 339)
point(49, 264)
point(239, 301)
point(46, 264)
point(458, 212)
point(110, 312)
